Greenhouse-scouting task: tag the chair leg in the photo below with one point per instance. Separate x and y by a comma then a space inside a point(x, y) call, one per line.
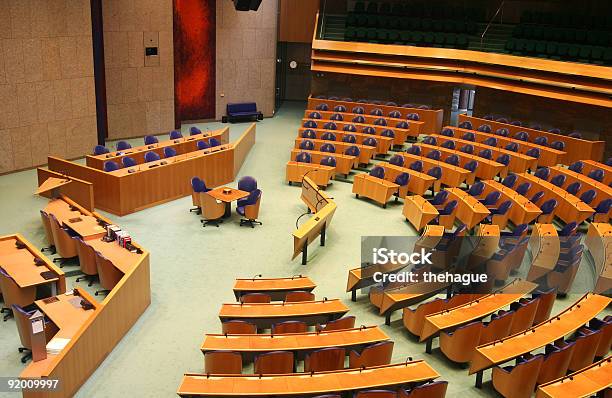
point(50, 249)
point(197, 210)
point(103, 291)
point(27, 356)
point(211, 222)
point(251, 223)
point(9, 314)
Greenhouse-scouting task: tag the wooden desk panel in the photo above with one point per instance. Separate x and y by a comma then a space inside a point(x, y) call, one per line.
point(313, 197)
point(295, 172)
point(522, 210)
point(564, 323)
point(590, 165)
point(576, 148)
point(545, 248)
point(586, 382)
point(344, 163)
point(377, 189)
point(84, 224)
point(78, 190)
point(400, 134)
point(315, 226)
point(403, 296)
point(301, 384)
point(418, 211)
point(418, 184)
point(452, 176)
point(383, 144)
point(276, 287)
point(599, 241)
point(469, 210)
point(365, 152)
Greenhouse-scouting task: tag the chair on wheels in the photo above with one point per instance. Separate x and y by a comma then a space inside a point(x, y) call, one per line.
point(108, 273)
point(65, 245)
point(249, 209)
point(247, 184)
point(198, 187)
point(48, 233)
point(13, 294)
point(212, 210)
point(87, 261)
point(222, 362)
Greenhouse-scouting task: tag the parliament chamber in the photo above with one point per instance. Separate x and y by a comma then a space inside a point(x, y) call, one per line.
point(305, 198)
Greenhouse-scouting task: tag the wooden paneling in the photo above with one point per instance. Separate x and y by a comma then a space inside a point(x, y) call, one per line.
point(243, 146)
point(297, 20)
point(78, 190)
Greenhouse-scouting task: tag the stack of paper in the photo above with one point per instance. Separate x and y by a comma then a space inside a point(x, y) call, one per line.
point(56, 345)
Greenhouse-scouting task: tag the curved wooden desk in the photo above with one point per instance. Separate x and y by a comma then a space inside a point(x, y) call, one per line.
point(522, 210)
point(599, 241)
point(452, 176)
point(469, 210)
point(379, 190)
point(418, 184)
point(250, 344)
point(590, 165)
point(300, 384)
point(548, 156)
point(586, 382)
point(564, 323)
point(545, 248)
point(344, 163)
point(275, 287)
point(383, 144)
point(431, 118)
point(418, 211)
point(365, 152)
point(295, 172)
point(399, 297)
point(398, 139)
point(603, 191)
point(569, 208)
point(576, 148)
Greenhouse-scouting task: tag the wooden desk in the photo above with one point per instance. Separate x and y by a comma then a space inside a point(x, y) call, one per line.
point(586, 382)
point(418, 211)
point(313, 197)
point(399, 297)
point(344, 163)
point(576, 148)
point(81, 222)
point(377, 189)
point(469, 210)
point(301, 384)
point(545, 248)
point(227, 198)
point(21, 266)
point(548, 156)
point(275, 287)
point(590, 165)
point(431, 118)
point(599, 241)
point(487, 244)
point(365, 152)
point(486, 170)
point(399, 138)
point(265, 314)
point(569, 208)
point(79, 191)
point(475, 309)
point(295, 172)
point(51, 184)
point(603, 191)
point(181, 145)
point(296, 342)
point(522, 210)
point(452, 176)
point(383, 144)
point(519, 163)
point(564, 323)
point(418, 184)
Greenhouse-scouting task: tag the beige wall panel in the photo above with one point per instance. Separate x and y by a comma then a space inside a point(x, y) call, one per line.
point(6, 153)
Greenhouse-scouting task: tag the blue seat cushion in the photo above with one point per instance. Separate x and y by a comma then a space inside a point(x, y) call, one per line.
point(240, 210)
point(242, 109)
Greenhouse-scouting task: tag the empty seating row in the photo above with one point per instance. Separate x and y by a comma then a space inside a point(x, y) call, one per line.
point(407, 37)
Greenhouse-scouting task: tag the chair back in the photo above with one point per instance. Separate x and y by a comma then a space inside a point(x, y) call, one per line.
point(308, 133)
point(522, 136)
point(439, 198)
point(353, 150)
point(491, 198)
point(358, 110)
point(222, 362)
point(349, 138)
point(202, 145)
point(128, 162)
point(414, 149)
point(429, 140)
point(373, 355)
point(299, 295)
point(605, 325)
point(328, 136)
point(476, 189)
point(523, 188)
point(327, 147)
point(587, 342)
point(108, 273)
point(435, 155)
point(350, 128)
point(347, 322)
point(310, 124)
point(485, 128)
point(452, 160)
point(214, 142)
point(358, 119)
point(150, 140)
point(237, 326)
point(247, 183)
point(378, 172)
point(314, 115)
point(413, 116)
point(303, 157)
point(194, 130)
point(13, 294)
point(65, 245)
point(369, 130)
point(491, 141)
point(87, 257)
point(110, 165)
point(467, 148)
point(402, 179)
point(175, 135)
point(448, 145)
point(543, 173)
point(504, 132)
point(558, 145)
point(376, 112)
point(513, 146)
point(519, 380)
point(498, 327)
point(435, 172)
point(287, 327)
point(542, 140)
point(123, 145)
point(397, 160)
point(504, 159)
point(325, 359)
point(510, 180)
point(100, 150)
point(460, 344)
point(255, 298)
point(44, 216)
point(402, 125)
point(415, 318)
point(465, 125)
point(370, 141)
point(339, 108)
point(337, 117)
point(151, 157)
point(211, 209)
point(274, 362)
point(322, 107)
point(376, 394)
point(169, 152)
point(548, 206)
point(524, 313)
point(556, 361)
point(435, 389)
point(388, 133)
point(472, 165)
point(537, 197)
point(588, 196)
point(330, 126)
point(447, 132)
point(469, 136)
point(558, 180)
point(22, 318)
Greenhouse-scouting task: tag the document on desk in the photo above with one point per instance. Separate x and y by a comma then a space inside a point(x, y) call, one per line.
point(56, 345)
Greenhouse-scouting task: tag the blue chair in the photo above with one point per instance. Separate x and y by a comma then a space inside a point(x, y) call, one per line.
point(388, 133)
point(439, 198)
point(308, 133)
point(435, 172)
point(175, 135)
point(194, 131)
point(402, 180)
point(558, 180)
point(521, 136)
point(349, 138)
point(303, 157)
point(310, 124)
point(504, 159)
point(517, 123)
point(416, 166)
point(339, 108)
point(484, 128)
point(429, 140)
point(602, 210)
point(413, 116)
point(575, 134)
point(467, 148)
point(250, 209)
point(100, 150)
point(397, 160)
point(358, 119)
point(247, 184)
point(519, 230)
point(327, 147)
point(358, 110)
point(369, 130)
point(536, 127)
point(486, 154)
point(214, 142)
point(202, 145)
point(150, 140)
point(472, 165)
point(510, 180)
point(435, 155)
point(596, 175)
point(314, 115)
point(395, 114)
point(447, 210)
point(128, 162)
point(350, 128)
point(558, 145)
point(499, 211)
point(336, 117)
point(513, 146)
point(110, 166)
point(491, 141)
point(431, 389)
point(537, 197)
point(548, 207)
point(469, 136)
point(554, 131)
point(380, 122)
point(151, 157)
point(376, 112)
point(322, 107)
point(452, 160)
point(502, 120)
point(169, 152)
point(391, 103)
point(588, 196)
point(330, 126)
point(542, 140)
point(448, 145)
point(533, 152)
point(465, 125)
point(488, 117)
point(543, 173)
point(378, 172)
point(370, 141)
point(609, 161)
point(414, 149)
point(408, 106)
point(523, 188)
point(573, 188)
point(334, 98)
point(352, 151)
point(197, 186)
point(576, 167)
point(402, 125)
point(328, 136)
point(491, 199)
point(307, 145)
point(328, 161)
point(447, 132)
point(123, 145)
point(504, 132)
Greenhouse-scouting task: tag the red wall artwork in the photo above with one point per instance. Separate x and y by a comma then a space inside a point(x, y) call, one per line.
point(194, 59)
